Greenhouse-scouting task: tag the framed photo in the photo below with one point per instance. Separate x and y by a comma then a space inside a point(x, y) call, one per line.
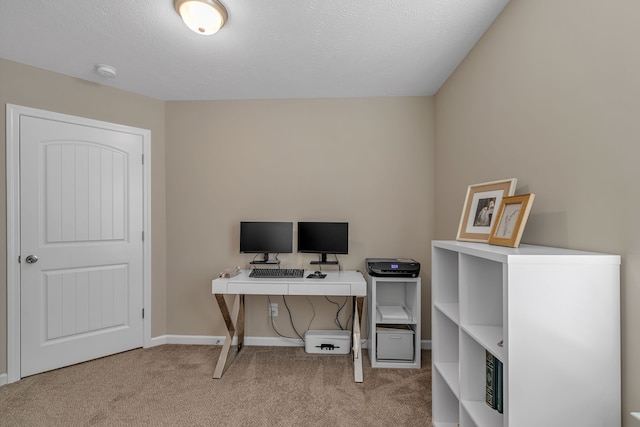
point(510, 220)
point(479, 206)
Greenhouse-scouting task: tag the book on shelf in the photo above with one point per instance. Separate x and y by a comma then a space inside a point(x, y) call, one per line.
point(491, 374)
point(494, 382)
point(499, 381)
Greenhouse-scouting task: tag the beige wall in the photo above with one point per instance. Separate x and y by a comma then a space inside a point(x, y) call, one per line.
point(366, 161)
point(551, 95)
point(35, 88)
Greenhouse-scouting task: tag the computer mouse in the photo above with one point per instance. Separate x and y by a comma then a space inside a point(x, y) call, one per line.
point(317, 273)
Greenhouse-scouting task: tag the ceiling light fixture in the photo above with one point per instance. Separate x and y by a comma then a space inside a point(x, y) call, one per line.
point(202, 16)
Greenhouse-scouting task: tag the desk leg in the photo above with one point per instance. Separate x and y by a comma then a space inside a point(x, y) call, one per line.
point(357, 342)
point(234, 326)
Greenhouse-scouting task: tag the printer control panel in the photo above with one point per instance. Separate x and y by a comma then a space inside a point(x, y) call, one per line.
point(393, 267)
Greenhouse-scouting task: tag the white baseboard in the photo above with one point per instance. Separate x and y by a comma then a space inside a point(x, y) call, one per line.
point(3, 379)
point(187, 339)
point(256, 341)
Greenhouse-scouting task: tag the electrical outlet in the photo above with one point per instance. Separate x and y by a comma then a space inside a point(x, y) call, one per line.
point(273, 309)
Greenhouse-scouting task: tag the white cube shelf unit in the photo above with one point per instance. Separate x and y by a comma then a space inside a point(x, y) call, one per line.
point(400, 298)
point(556, 313)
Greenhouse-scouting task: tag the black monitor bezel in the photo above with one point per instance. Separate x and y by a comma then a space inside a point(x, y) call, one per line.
point(285, 245)
point(303, 247)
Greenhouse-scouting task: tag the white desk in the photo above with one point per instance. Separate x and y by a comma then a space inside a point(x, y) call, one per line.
point(337, 283)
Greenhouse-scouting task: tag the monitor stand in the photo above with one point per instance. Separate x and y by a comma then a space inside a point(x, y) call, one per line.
point(323, 260)
point(265, 260)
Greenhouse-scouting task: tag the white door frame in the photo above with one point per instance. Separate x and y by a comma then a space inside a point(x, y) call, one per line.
point(13, 222)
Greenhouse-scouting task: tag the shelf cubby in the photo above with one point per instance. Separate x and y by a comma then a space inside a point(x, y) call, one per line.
point(447, 412)
point(446, 360)
point(480, 414)
point(401, 294)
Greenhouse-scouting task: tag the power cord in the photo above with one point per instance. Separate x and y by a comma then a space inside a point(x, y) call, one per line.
point(340, 307)
point(284, 298)
point(273, 324)
point(313, 309)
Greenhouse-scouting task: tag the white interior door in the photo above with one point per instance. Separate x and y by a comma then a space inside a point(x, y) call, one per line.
point(81, 215)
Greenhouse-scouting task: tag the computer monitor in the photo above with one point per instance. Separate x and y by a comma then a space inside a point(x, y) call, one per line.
point(266, 238)
point(323, 238)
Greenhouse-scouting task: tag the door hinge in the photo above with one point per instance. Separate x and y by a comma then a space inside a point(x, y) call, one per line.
point(143, 159)
point(143, 236)
point(143, 313)
point(19, 259)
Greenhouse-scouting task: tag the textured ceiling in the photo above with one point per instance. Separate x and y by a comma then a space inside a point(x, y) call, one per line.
point(267, 49)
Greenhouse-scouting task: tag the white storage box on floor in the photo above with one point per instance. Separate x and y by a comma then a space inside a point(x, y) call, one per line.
point(395, 343)
point(327, 342)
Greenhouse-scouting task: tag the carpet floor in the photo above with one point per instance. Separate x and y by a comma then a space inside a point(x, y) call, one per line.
point(171, 385)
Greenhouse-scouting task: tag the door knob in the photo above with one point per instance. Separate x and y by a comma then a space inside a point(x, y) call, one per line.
point(31, 259)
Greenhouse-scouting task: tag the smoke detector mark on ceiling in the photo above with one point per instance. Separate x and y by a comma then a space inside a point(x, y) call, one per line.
point(106, 71)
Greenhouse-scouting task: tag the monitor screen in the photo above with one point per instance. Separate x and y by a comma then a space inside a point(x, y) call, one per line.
point(266, 237)
point(323, 237)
